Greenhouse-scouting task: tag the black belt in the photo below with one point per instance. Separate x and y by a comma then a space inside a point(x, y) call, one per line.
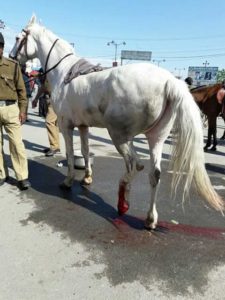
point(7, 102)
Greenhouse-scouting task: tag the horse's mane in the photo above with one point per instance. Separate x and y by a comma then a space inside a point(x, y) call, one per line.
point(38, 27)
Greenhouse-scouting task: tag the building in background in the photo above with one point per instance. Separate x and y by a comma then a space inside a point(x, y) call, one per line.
point(135, 55)
point(203, 75)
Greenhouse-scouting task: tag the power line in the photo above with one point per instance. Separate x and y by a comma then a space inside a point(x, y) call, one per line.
point(206, 37)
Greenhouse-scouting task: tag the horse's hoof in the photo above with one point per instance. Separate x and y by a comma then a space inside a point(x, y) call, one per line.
point(123, 207)
point(150, 224)
point(64, 187)
point(205, 149)
point(87, 180)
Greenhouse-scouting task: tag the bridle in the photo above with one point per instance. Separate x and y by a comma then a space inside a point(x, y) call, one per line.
point(23, 43)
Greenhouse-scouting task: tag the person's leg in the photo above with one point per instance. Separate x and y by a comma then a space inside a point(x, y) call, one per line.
point(16, 146)
point(52, 131)
point(3, 167)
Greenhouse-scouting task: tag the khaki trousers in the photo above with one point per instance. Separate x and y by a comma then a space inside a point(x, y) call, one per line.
point(52, 128)
point(9, 119)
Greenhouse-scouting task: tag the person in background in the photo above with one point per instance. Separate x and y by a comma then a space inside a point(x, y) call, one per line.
point(42, 103)
point(189, 82)
point(13, 107)
point(51, 119)
point(26, 79)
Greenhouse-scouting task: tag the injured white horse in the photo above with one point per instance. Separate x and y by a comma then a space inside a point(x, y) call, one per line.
point(128, 100)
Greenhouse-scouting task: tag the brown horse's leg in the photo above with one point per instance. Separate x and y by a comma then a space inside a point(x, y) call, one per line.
point(208, 143)
point(212, 132)
point(223, 136)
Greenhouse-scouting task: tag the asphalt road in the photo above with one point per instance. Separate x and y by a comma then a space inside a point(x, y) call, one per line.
point(73, 245)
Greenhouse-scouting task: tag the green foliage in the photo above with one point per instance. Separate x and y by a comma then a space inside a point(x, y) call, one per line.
point(220, 75)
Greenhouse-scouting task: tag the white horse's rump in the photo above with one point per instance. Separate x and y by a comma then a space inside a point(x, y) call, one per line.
point(128, 100)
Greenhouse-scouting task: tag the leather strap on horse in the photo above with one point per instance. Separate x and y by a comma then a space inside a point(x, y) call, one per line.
point(46, 63)
point(81, 67)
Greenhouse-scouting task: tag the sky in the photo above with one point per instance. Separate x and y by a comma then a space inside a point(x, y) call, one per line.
point(178, 33)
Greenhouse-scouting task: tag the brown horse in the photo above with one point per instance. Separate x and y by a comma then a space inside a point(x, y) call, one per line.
point(206, 98)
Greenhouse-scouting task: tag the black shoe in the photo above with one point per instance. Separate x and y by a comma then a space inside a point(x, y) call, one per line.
point(52, 152)
point(3, 180)
point(24, 184)
point(46, 150)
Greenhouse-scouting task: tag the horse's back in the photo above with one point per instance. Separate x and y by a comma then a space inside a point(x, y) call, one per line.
point(129, 98)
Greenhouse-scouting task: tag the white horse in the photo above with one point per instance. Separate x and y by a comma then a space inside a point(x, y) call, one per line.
point(127, 100)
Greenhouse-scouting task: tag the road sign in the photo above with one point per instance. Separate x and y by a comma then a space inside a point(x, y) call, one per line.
point(136, 55)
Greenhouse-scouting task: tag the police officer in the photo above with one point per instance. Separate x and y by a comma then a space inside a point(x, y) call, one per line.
point(13, 106)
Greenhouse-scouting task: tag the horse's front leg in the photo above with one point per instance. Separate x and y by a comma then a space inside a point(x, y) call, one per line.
point(67, 132)
point(84, 134)
point(208, 143)
point(213, 131)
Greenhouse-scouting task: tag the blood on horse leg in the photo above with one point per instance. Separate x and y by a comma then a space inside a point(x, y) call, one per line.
point(123, 205)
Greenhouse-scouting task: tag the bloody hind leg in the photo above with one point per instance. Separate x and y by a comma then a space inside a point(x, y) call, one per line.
point(67, 131)
point(133, 165)
point(83, 130)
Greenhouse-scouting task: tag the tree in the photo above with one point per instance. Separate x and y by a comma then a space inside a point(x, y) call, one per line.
point(220, 75)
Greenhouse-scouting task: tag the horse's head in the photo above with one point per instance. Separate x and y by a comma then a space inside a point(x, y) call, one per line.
point(25, 48)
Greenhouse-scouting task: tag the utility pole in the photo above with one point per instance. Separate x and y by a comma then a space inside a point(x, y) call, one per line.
point(116, 46)
point(179, 71)
point(206, 63)
point(158, 61)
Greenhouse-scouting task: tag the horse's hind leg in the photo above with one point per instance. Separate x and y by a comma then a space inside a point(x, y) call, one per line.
point(85, 152)
point(133, 164)
point(156, 138)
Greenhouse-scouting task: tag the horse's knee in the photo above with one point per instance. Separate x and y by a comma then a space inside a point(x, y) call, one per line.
point(155, 177)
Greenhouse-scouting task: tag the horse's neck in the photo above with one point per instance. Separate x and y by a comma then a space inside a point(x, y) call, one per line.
point(45, 44)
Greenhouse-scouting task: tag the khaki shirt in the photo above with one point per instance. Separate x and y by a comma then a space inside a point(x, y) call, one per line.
point(11, 83)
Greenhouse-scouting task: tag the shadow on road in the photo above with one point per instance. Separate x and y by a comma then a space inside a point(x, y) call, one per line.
point(173, 258)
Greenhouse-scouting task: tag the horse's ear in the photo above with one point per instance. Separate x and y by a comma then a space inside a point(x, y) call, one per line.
point(32, 20)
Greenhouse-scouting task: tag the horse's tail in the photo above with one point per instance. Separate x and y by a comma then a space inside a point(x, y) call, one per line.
point(188, 155)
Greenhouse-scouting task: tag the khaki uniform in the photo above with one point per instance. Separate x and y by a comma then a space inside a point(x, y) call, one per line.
point(52, 128)
point(51, 120)
point(12, 89)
